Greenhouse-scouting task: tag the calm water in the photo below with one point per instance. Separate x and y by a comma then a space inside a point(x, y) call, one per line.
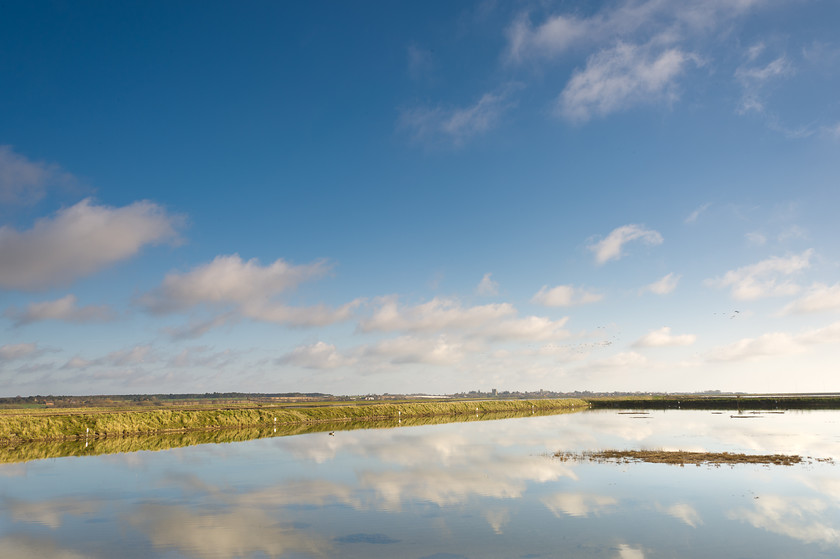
point(475, 490)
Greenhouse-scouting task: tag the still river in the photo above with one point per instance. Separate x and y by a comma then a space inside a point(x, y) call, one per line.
point(484, 489)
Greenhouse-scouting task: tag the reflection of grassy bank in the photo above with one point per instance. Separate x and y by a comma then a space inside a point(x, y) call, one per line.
point(699, 402)
point(36, 450)
point(680, 457)
point(70, 424)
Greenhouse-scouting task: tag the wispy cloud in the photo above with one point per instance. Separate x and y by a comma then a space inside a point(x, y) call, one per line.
point(319, 355)
point(79, 241)
point(487, 286)
point(456, 125)
point(664, 285)
point(439, 350)
point(499, 321)
point(776, 344)
point(420, 63)
point(756, 238)
point(627, 20)
point(692, 217)
point(768, 278)
point(24, 182)
point(610, 248)
point(197, 328)
point(801, 519)
point(683, 512)
point(819, 297)
point(565, 296)
point(664, 338)
point(11, 352)
point(143, 354)
point(64, 309)
point(627, 552)
point(754, 78)
point(637, 50)
point(621, 77)
point(437, 314)
point(579, 504)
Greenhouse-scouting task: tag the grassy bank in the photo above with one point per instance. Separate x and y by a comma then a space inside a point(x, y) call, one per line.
point(24, 451)
point(744, 402)
point(89, 424)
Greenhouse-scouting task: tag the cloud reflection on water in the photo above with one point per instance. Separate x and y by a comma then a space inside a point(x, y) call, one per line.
point(485, 489)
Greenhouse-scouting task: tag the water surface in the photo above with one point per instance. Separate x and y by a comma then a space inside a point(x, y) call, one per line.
point(461, 490)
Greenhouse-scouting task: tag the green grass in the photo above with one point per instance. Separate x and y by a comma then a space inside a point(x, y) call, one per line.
point(31, 425)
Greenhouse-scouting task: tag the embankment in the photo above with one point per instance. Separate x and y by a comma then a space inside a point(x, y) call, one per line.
point(726, 402)
point(67, 425)
point(25, 451)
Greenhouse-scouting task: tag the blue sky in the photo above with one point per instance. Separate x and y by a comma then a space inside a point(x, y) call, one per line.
point(419, 197)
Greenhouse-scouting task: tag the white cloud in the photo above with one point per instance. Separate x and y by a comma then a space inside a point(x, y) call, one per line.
point(10, 352)
point(685, 513)
point(23, 181)
point(820, 297)
point(552, 37)
point(248, 287)
point(319, 355)
point(316, 315)
point(765, 278)
point(456, 125)
point(637, 49)
point(627, 552)
point(806, 520)
point(437, 314)
point(227, 279)
point(579, 504)
point(645, 20)
point(776, 344)
point(497, 321)
point(664, 285)
point(565, 296)
point(79, 241)
point(487, 286)
point(621, 77)
point(64, 309)
point(528, 328)
point(664, 338)
point(610, 248)
point(410, 349)
point(244, 531)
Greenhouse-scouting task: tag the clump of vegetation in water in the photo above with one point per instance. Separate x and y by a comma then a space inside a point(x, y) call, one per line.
point(681, 457)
